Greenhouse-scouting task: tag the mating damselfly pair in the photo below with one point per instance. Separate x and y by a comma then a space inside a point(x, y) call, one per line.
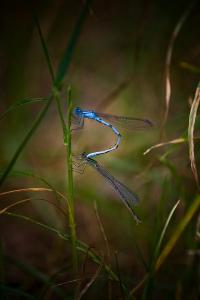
point(128, 197)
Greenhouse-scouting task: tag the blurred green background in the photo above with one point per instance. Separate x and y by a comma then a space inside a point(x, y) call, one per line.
point(118, 67)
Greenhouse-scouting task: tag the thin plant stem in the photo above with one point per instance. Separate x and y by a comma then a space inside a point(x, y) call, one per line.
point(67, 142)
point(44, 47)
point(119, 275)
point(72, 224)
point(57, 96)
point(106, 244)
point(102, 231)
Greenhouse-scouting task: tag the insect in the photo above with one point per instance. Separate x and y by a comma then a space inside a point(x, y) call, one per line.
point(107, 120)
point(128, 197)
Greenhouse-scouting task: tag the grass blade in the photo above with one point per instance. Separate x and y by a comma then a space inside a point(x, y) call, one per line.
point(63, 68)
point(170, 49)
point(112, 96)
point(25, 140)
point(21, 103)
point(177, 232)
point(122, 287)
point(172, 142)
point(44, 47)
point(192, 118)
point(14, 292)
point(190, 67)
point(82, 247)
point(67, 56)
point(156, 252)
point(32, 190)
point(66, 134)
point(103, 233)
point(172, 241)
point(158, 246)
point(31, 174)
point(89, 284)
point(72, 224)
point(36, 274)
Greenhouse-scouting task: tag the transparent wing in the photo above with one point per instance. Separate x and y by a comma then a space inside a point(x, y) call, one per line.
point(77, 122)
point(127, 122)
point(78, 164)
point(128, 197)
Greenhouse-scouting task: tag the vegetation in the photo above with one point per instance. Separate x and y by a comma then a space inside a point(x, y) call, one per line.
point(64, 235)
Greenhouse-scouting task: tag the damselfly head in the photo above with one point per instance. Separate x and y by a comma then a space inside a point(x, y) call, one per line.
point(150, 123)
point(77, 111)
point(84, 155)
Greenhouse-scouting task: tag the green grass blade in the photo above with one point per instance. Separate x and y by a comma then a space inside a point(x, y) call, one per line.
point(14, 292)
point(81, 246)
point(45, 49)
point(21, 103)
point(31, 174)
point(177, 232)
point(25, 140)
point(89, 284)
point(40, 178)
point(156, 253)
point(36, 274)
point(56, 93)
point(72, 224)
point(172, 241)
point(66, 132)
point(63, 68)
point(70, 188)
point(140, 255)
point(67, 56)
point(185, 65)
point(158, 246)
point(124, 292)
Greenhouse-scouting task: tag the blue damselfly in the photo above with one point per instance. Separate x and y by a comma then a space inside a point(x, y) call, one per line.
point(107, 120)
